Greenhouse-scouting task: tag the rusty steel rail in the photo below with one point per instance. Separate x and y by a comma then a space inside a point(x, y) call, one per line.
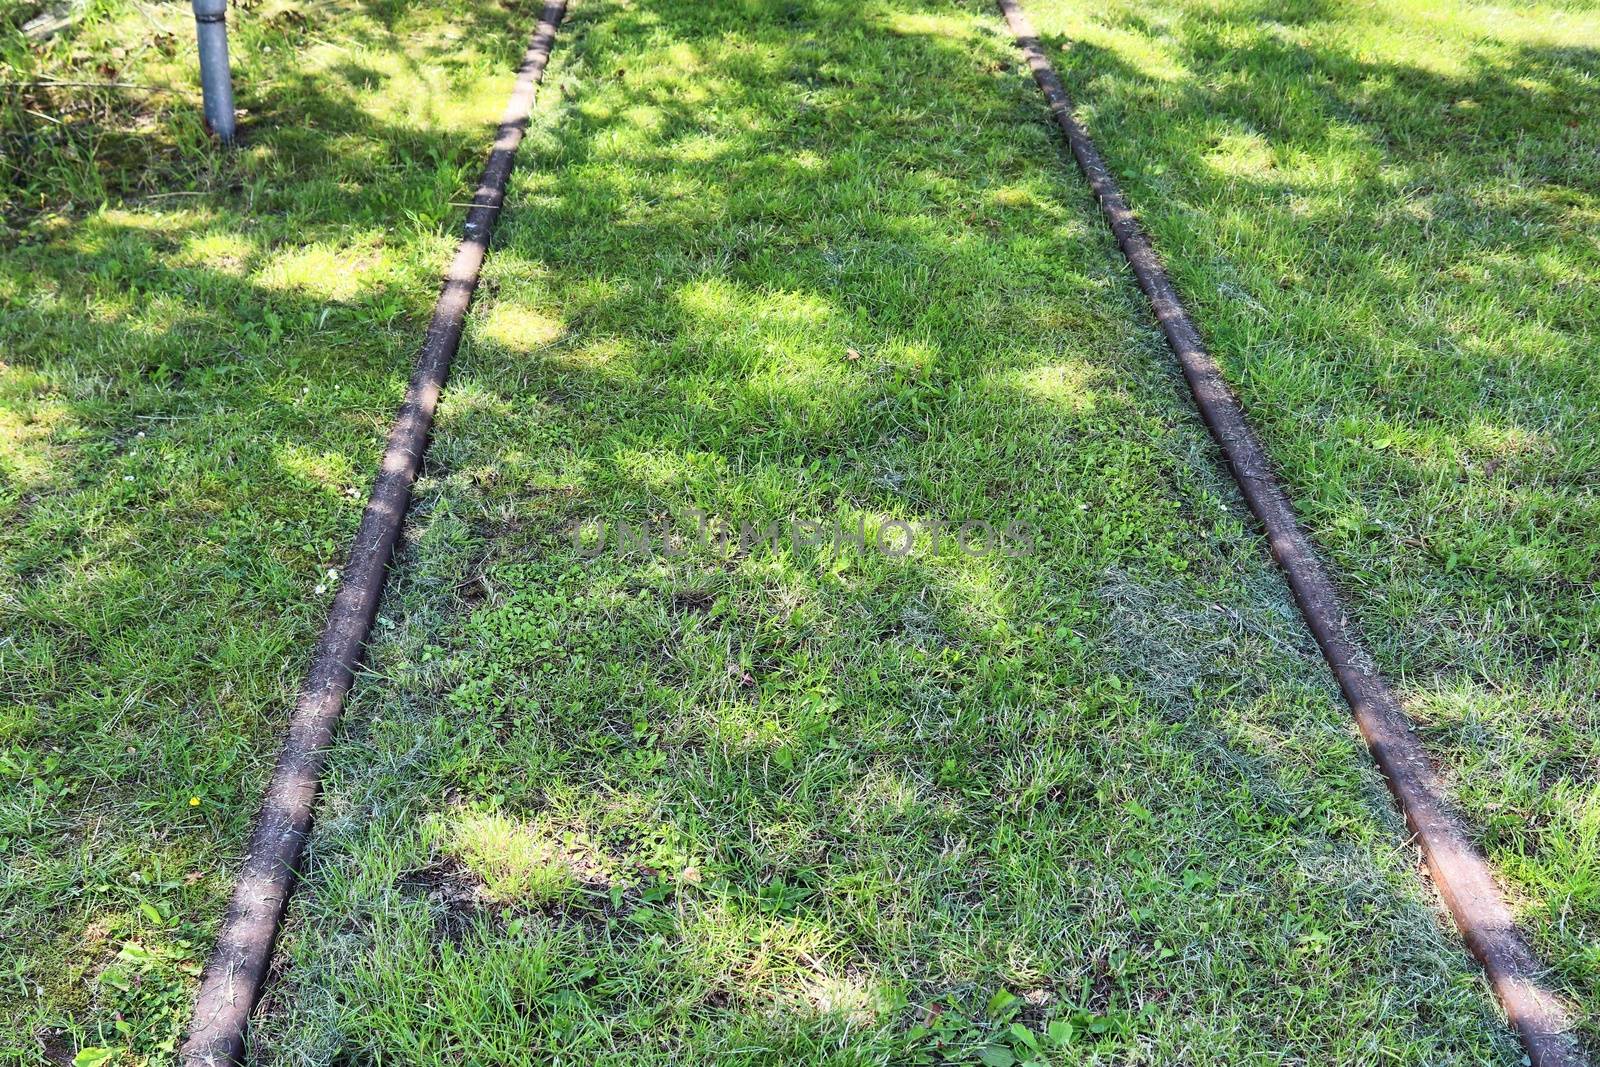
point(233, 976)
point(1459, 870)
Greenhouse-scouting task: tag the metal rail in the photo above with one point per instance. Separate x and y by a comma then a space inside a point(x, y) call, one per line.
point(1459, 870)
point(233, 976)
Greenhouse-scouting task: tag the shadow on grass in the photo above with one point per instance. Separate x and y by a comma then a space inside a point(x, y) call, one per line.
point(1405, 259)
point(194, 392)
point(1388, 240)
point(804, 261)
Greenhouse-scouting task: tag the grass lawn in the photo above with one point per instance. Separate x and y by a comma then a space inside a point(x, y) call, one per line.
point(774, 260)
point(826, 261)
point(1386, 217)
point(197, 363)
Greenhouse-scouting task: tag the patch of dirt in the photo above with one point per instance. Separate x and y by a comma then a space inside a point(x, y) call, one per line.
point(449, 883)
point(457, 894)
point(697, 601)
point(56, 1045)
point(460, 897)
point(473, 592)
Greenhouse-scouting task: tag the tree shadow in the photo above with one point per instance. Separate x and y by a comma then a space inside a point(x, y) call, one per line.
point(1462, 334)
point(810, 261)
point(1386, 243)
point(195, 389)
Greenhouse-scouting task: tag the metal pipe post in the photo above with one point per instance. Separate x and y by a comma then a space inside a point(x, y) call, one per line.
point(216, 80)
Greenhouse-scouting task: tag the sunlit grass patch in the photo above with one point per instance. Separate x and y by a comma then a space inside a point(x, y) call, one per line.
point(926, 23)
point(326, 272)
point(29, 420)
point(526, 864)
point(519, 326)
point(1074, 386)
point(1241, 154)
point(223, 251)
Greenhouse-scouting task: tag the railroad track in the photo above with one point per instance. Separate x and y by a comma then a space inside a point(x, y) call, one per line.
point(238, 967)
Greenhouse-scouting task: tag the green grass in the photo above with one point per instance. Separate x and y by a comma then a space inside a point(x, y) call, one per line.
point(1385, 216)
point(796, 260)
point(199, 356)
point(815, 260)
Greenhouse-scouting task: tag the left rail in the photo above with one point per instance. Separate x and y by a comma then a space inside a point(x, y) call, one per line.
point(233, 977)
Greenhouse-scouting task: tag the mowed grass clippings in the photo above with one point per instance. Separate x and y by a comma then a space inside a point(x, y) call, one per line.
point(200, 353)
point(1098, 802)
point(1385, 217)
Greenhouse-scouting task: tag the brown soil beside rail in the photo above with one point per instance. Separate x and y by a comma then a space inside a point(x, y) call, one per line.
point(237, 968)
point(1458, 869)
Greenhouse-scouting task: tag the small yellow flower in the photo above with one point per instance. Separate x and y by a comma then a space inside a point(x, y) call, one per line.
point(194, 802)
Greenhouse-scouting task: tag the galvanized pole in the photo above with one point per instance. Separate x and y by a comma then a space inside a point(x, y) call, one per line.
point(216, 80)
